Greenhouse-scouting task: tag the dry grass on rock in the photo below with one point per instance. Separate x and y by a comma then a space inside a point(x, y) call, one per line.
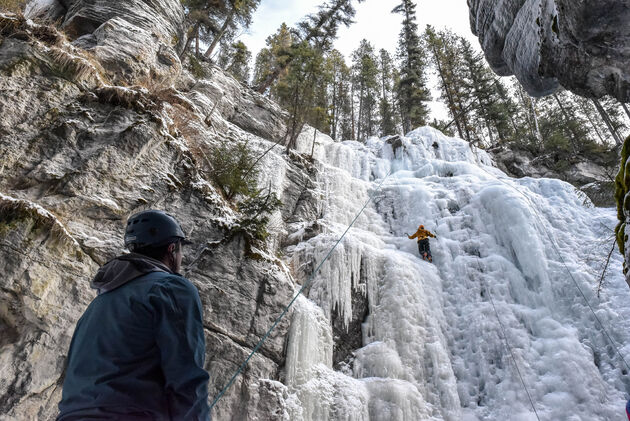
point(13, 6)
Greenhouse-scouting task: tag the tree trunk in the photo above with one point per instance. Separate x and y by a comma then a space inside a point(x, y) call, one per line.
point(489, 127)
point(194, 31)
point(586, 112)
point(313, 147)
point(535, 117)
point(197, 43)
point(352, 111)
point(608, 122)
point(449, 96)
point(464, 121)
point(333, 132)
point(532, 119)
point(271, 77)
point(514, 126)
point(359, 120)
point(294, 120)
point(224, 28)
point(625, 108)
point(568, 119)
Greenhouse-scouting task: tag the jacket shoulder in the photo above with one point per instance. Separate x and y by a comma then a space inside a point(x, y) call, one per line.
point(163, 281)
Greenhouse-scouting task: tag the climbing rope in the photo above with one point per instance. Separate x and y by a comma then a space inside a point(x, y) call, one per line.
point(308, 281)
point(505, 338)
point(553, 243)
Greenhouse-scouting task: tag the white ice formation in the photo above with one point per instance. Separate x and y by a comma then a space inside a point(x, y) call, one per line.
point(433, 344)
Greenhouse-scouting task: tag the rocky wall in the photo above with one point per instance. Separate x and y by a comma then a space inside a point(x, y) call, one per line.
point(81, 151)
point(580, 45)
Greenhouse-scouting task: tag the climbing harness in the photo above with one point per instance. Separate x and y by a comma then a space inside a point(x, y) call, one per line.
point(553, 243)
point(308, 281)
point(505, 338)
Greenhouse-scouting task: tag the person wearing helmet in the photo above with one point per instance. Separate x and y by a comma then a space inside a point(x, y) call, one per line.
point(138, 351)
point(423, 242)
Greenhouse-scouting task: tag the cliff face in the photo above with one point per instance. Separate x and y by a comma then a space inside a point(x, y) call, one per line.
point(135, 41)
point(97, 123)
point(581, 45)
point(593, 178)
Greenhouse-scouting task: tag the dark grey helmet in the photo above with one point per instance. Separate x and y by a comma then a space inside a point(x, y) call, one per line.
point(152, 228)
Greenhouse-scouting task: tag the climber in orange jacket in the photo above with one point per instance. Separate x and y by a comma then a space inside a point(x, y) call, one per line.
point(423, 242)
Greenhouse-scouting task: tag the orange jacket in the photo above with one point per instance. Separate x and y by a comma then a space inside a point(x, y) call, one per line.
point(421, 234)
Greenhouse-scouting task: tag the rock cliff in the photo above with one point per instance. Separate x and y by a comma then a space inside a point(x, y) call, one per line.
point(581, 45)
point(591, 176)
point(100, 120)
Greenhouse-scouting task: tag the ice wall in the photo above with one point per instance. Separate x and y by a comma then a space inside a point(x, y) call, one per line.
point(433, 344)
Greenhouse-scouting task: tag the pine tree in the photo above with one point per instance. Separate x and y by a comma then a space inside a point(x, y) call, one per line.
point(412, 89)
point(615, 115)
point(319, 115)
point(446, 59)
point(597, 126)
point(509, 108)
point(238, 13)
point(296, 90)
point(387, 126)
point(277, 54)
point(365, 75)
point(346, 123)
point(492, 106)
point(339, 91)
point(396, 109)
point(561, 131)
point(527, 117)
point(216, 21)
point(235, 59)
point(319, 30)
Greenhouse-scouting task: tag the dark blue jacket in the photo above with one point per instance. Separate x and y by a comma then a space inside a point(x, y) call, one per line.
point(138, 350)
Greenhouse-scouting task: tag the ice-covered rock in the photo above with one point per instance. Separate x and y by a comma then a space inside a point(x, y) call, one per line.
point(581, 45)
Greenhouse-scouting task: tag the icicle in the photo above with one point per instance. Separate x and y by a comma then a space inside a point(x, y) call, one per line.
point(310, 342)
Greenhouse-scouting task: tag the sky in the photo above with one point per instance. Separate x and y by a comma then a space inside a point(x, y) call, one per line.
point(373, 21)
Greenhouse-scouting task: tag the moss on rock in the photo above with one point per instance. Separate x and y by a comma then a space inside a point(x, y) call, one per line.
point(34, 222)
point(622, 185)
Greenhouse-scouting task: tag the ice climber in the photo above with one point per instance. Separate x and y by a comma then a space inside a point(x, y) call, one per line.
point(137, 352)
point(423, 242)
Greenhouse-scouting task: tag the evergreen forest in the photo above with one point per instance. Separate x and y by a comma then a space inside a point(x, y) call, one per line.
point(384, 93)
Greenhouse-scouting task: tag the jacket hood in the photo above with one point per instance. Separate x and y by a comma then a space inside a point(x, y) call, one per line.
point(123, 269)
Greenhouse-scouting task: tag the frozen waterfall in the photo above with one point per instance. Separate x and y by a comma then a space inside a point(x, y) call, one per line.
point(433, 346)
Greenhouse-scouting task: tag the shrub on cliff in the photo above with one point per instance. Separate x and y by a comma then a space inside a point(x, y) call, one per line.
point(234, 171)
